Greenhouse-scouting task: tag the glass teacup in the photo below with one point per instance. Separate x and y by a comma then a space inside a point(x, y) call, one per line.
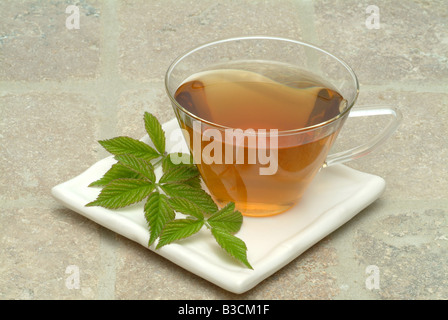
point(260, 115)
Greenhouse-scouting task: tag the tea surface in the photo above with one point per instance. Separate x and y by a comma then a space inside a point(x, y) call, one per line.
point(245, 99)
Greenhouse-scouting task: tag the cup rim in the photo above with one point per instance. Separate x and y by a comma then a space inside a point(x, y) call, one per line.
point(280, 132)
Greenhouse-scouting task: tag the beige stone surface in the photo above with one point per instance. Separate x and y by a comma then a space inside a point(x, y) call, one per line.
point(407, 243)
point(132, 104)
point(410, 44)
point(36, 44)
point(42, 244)
point(62, 90)
point(154, 33)
point(412, 158)
point(39, 133)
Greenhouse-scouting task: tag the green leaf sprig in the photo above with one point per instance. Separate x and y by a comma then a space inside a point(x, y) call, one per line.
point(132, 179)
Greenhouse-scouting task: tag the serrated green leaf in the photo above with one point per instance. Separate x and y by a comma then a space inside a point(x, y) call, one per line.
point(186, 207)
point(155, 132)
point(132, 179)
point(123, 192)
point(167, 164)
point(157, 213)
point(180, 158)
point(179, 173)
point(187, 160)
point(140, 166)
point(117, 171)
point(233, 245)
point(126, 145)
point(179, 229)
point(227, 218)
point(194, 182)
point(198, 196)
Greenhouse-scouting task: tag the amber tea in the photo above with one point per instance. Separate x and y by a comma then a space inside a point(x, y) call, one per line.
point(275, 99)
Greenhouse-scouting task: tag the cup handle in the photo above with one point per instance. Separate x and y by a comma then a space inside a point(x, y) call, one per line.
point(366, 148)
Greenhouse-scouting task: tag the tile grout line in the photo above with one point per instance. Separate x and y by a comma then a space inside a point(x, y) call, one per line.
point(92, 86)
point(306, 21)
point(399, 86)
point(77, 86)
point(108, 86)
point(109, 83)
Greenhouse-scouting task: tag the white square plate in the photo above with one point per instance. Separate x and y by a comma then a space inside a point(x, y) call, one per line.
point(335, 196)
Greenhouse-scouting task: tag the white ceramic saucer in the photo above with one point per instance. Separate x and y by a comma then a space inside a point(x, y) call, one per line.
point(336, 195)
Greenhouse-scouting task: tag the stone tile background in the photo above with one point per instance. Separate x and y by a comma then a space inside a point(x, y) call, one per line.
point(62, 90)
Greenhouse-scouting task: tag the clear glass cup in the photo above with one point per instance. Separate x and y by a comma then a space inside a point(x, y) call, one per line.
point(253, 193)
